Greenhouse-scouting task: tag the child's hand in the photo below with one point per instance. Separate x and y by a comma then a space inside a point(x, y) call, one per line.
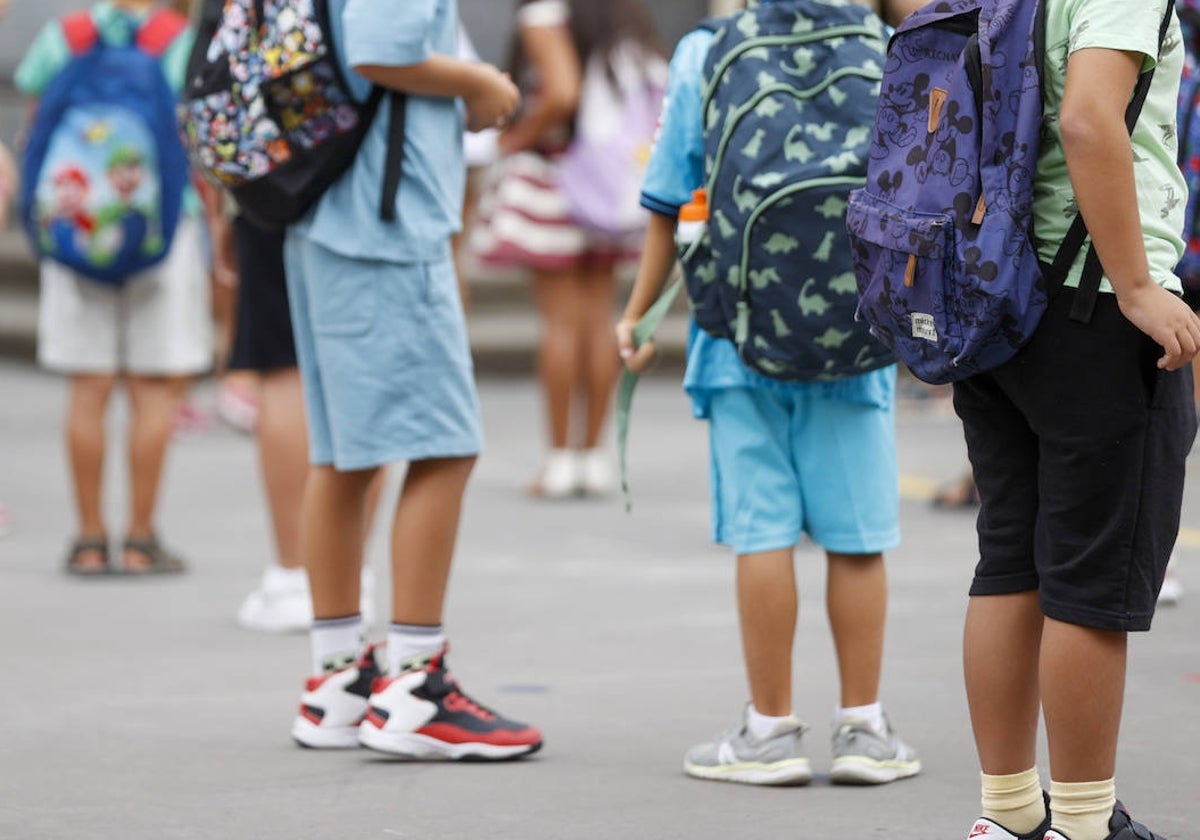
point(493, 101)
point(636, 359)
point(1165, 318)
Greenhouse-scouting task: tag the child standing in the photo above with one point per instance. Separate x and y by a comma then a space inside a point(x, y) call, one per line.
point(786, 459)
point(1078, 443)
point(381, 341)
point(152, 332)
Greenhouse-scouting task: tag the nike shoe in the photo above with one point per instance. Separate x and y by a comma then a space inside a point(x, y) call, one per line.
point(985, 829)
point(741, 756)
point(1120, 827)
point(423, 714)
point(862, 756)
point(333, 705)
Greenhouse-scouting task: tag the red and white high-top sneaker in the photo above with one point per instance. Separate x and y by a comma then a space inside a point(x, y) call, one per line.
point(333, 705)
point(423, 714)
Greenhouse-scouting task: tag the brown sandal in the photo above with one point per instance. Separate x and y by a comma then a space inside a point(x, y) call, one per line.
point(160, 561)
point(81, 546)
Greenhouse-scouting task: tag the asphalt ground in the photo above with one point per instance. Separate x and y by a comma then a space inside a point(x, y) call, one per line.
point(138, 709)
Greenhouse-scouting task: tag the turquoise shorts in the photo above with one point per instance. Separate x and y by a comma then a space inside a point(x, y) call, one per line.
point(384, 357)
point(791, 461)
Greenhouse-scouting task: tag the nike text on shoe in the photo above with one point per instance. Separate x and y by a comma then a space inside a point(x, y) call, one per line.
point(423, 714)
point(333, 705)
point(1120, 827)
point(740, 756)
point(862, 756)
point(985, 829)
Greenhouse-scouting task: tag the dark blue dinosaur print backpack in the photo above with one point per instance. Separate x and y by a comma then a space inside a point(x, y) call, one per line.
point(789, 96)
point(944, 251)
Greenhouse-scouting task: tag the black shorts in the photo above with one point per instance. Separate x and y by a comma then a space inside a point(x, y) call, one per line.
point(1079, 445)
point(263, 341)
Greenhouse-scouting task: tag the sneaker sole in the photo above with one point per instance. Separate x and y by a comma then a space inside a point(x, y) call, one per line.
point(859, 770)
point(411, 745)
point(793, 773)
point(307, 734)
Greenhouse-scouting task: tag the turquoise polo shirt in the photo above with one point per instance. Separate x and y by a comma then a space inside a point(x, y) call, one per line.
point(429, 204)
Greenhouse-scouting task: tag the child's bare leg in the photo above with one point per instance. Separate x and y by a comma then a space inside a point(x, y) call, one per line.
point(856, 600)
point(333, 523)
point(1000, 662)
point(87, 407)
point(558, 353)
point(154, 402)
point(600, 363)
point(767, 607)
point(283, 457)
point(423, 538)
point(1083, 689)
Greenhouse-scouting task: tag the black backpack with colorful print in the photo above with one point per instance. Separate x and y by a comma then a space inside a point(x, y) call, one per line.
point(268, 114)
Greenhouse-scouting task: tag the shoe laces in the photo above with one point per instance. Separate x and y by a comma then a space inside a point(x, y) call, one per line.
point(456, 701)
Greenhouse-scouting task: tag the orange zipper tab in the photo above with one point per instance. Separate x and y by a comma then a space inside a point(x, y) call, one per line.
point(910, 273)
point(980, 210)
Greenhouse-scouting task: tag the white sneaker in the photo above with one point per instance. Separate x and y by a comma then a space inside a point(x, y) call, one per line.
point(282, 603)
point(597, 475)
point(333, 705)
point(560, 477)
point(1172, 589)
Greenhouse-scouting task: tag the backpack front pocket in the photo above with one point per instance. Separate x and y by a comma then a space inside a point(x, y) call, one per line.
point(902, 263)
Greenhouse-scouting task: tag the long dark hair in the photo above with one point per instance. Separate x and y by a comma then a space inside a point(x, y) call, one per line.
point(600, 26)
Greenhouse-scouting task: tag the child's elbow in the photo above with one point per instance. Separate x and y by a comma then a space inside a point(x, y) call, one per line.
point(1082, 127)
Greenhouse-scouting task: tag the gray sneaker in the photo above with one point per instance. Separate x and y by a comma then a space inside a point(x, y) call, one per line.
point(862, 756)
point(740, 756)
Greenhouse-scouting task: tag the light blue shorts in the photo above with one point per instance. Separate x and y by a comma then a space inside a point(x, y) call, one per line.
point(384, 357)
point(786, 462)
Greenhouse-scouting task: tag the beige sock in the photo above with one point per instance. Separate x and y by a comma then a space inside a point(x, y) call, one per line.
point(1014, 801)
point(1081, 810)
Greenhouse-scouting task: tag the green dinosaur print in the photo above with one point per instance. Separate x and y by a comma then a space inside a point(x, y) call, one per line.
point(823, 132)
point(812, 304)
point(713, 117)
point(840, 163)
point(754, 148)
point(856, 136)
point(779, 324)
point(804, 61)
point(744, 199)
point(706, 273)
point(794, 147)
point(757, 54)
point(768, 109)
point(734, 277)
point(832, 338)
point(837, 95)
point(803, 24)
point(864, 359)
point(748, 25)
point(768, 179)
point(725, 227)
point(765, 79)
point(781, 243)
point(832, 208)
point(771, 367)
point(844, 284)
point(825, 251)
point(761, 279)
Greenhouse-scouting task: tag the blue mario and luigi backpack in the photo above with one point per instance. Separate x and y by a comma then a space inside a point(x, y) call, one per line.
point(943, 242)
point(104, 170)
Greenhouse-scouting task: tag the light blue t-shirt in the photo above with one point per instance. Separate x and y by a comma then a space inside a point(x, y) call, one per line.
point(676, 168)
point(429, 204)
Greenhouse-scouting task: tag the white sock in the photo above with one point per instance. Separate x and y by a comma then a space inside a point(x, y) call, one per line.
point(407, 642)
point(336, 643)
point(278, 577)
point(872, 714)
point(761, 725)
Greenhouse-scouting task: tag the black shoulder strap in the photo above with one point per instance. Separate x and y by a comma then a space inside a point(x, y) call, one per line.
point(393, 168)
point(1093, 272)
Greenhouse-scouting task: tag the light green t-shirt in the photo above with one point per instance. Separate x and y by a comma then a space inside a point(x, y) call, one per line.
point(1132, 27)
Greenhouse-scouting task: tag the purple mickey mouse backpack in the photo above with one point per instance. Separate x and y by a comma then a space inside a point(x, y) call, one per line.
point(944, 252)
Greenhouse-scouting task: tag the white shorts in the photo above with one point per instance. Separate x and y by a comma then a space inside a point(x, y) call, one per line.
point(159, 323)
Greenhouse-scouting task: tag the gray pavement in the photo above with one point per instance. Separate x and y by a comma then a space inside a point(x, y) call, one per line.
point(137, 709)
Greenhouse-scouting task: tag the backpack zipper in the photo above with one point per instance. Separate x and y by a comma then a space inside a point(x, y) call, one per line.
point(742, 325)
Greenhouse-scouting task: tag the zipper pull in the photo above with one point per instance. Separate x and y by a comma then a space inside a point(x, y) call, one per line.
point(910, 271)
point(980, 210)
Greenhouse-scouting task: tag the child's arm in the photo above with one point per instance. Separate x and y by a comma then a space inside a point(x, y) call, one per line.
point(1100, 164)
point(490, 96)
point(658, 258)
point(555, 63)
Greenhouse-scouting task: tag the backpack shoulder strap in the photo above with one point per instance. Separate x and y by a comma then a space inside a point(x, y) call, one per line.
point(160, 31)
point(80, 32)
